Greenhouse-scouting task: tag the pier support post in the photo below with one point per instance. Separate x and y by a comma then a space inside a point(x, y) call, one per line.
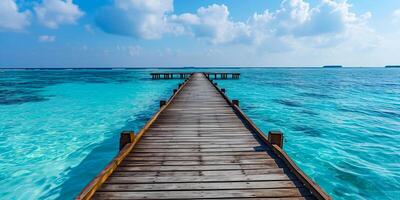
point(179, 85)
point(162, 103)
point(216, 84)
point(174, 91)
point(235, 102)
point(276, 137)
point(223, 90)
point(126, 137)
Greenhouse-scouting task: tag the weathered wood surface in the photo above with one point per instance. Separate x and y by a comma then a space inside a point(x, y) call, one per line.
point(198, 148)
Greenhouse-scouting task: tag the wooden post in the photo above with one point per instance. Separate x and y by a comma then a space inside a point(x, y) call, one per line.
point(162, 103)
point(126, 137)
point(180, 85)
point(175, 90)
point(223, 90)
point(235, 102)
point(276, 137)
point(216, 84)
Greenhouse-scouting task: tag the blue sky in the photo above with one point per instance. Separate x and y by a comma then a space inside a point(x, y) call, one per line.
point(157, 33)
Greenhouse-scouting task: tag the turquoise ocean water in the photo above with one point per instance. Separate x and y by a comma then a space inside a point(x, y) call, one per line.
point(59, 128)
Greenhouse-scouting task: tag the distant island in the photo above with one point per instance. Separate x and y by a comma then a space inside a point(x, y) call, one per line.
point(392, 66)
point(332, 66)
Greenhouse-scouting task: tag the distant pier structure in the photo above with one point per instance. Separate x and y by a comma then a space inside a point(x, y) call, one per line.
point(185, 75)
point(392, 66)
point(332, 66)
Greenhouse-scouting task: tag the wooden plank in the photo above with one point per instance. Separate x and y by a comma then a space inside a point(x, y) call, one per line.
point(200, 154)
point(215, 129)
point(199, 132)
point(197, 179)
point(200, 186)
point(192, 146)
point(197, 158)
point(197, 126)
point(177, 138)
point(194, 150)
point(126, 167)
point(208, 140)
point(199, 162)
point(247, 193)
point(186, 134)
point(257, 172)
point(196, 142)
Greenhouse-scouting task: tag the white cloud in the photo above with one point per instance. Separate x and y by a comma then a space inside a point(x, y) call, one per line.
point(134, 50)
point(47, 38)
point(327, 24)
point(11, 19)
point(292, 14)
point(396, 16)
point(131, 50)
point(396, 13)
point(213, 23)
point(53, 13)
point(295, 23)
point(138, 18)
point(89, 28)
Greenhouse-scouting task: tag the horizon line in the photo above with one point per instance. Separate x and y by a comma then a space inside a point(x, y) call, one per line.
point(187, 67)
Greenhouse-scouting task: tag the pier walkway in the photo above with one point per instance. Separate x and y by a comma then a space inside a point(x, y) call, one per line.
point(200, 145)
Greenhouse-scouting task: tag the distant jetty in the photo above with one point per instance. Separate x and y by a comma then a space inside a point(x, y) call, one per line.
point(392, 66)
point(332, 66)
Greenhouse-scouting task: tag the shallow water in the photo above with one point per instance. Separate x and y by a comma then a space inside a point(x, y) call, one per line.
point(58, 129)
point(341, 126)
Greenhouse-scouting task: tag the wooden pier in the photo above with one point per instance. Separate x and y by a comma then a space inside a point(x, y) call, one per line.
point(200, 145)
point(185, 75)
